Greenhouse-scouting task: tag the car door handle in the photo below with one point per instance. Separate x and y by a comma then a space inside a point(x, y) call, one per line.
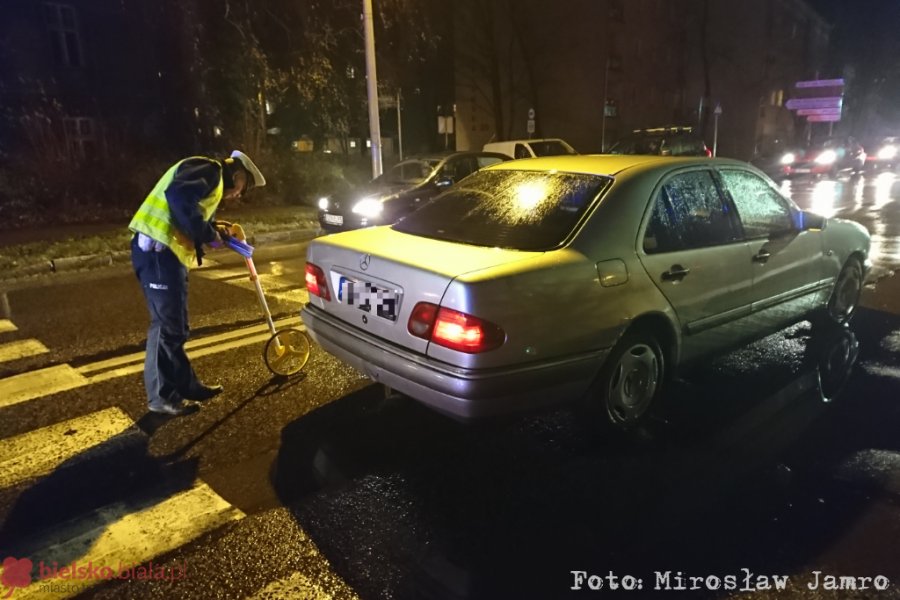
point(675, 273)
point(762, 256)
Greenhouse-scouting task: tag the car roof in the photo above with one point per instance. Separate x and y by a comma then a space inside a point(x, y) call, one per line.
point(669, 129)
point(608, 164)
point(446, 155)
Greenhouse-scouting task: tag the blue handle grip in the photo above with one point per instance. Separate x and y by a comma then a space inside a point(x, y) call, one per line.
point(242, 248)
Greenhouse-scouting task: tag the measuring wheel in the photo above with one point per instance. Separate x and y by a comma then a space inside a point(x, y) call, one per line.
point(287, 352)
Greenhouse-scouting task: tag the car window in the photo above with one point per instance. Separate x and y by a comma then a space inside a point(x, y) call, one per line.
point(521, 151)
point(688, 212)
point(411, 171)
point(685, 145)
point(550, 148)
point(454, 168)
point(522, 210)
point(465, 167)
point(486, 161)
point(762, 210)
point(645, 144)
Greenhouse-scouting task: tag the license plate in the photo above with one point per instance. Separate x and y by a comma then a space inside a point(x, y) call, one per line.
point(367, 296)
point(802, 170)
point(334, 219)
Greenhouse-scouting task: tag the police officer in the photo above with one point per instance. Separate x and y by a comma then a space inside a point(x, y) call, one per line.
point(170, 229)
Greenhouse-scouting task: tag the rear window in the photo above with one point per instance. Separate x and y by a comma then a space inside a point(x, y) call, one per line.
point(550, 148)
point(522, 210)
point(638, 145)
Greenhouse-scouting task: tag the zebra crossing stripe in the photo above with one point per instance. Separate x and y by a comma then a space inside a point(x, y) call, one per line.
point(121, 536)
point(21, 349)
point(61, 378)
point(39, 452)
point(35, 384)
point(6, 326)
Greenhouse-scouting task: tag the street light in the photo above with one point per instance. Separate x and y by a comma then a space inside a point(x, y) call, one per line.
point(372, 89)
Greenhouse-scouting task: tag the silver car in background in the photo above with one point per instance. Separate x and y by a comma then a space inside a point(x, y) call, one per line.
point(594, 277)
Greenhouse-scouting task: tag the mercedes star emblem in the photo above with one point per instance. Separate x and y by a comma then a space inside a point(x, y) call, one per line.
point(364, 261)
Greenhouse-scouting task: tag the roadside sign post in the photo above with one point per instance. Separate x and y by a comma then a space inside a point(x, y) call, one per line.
point(716, 114)
point(529, 126)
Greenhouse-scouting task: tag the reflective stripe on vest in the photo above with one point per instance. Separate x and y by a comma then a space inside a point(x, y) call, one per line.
point(154, 218)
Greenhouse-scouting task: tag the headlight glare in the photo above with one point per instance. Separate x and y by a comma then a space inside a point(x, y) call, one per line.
point(368, 207)
point(323, 203)
point(887, 152)
point(826, 157)
point(788, 158)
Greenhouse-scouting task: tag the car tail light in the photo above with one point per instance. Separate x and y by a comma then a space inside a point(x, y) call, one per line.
point(708, 152)
point(315, 282)
point(454, 329)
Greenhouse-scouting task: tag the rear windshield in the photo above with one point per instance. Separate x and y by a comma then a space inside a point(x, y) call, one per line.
point(411, 171)
point(522, 210)
point(638, 145)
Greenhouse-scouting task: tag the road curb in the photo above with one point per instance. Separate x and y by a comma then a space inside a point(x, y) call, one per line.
point(106, 259)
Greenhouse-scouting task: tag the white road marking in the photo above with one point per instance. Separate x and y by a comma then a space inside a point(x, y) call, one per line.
point(124, 534)
point(6, 325)
point(191, 345)
point(61, 378)
point(39, 452)
point(21, 349)
point(35, 384)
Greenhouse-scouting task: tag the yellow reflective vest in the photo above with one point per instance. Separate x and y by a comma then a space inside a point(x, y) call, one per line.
point(154, 218)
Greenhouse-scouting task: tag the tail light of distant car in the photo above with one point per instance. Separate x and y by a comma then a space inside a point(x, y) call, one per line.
point(453, 329)
point(315, 282)
point(708, 152)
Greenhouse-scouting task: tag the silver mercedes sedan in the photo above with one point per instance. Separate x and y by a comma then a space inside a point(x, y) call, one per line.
point(593, 277)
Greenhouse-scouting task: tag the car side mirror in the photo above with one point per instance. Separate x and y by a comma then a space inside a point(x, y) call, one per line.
point(808, 220)
point(443, 182)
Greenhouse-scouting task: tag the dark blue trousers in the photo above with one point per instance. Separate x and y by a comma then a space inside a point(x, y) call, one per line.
point(164, 280)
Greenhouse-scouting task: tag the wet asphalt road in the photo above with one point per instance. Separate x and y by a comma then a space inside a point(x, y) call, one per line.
point(782, 458)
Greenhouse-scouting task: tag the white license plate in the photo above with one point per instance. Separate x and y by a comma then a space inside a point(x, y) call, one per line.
point(802, 170)
point(367, 296)
point(334, 219)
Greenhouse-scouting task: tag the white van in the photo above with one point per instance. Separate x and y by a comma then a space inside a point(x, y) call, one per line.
point(530, 148)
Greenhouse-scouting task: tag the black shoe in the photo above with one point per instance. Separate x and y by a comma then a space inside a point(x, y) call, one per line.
point(174, 410)
point(202, 392)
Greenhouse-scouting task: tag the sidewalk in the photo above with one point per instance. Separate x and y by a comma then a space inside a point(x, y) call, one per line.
point(55, 249)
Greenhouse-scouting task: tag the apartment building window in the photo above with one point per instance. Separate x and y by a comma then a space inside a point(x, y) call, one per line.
point(65, 41)
point(81, 136)
point(776, 98)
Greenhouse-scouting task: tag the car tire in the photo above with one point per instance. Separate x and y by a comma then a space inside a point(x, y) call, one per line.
point(844, 298)
point(629, 383)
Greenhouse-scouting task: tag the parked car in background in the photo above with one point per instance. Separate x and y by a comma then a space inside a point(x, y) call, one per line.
point(829, 157)
point(774, 162)
point(884, 154)
point(400, 190)
point(662, 141)
point(577, 276)
point(530, 148)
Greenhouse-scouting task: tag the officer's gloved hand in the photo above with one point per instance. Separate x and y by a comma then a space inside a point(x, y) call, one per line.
point(217, 243)
point(237, 232)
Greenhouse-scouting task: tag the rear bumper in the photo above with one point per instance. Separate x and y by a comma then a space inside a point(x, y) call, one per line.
point(460, 393)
